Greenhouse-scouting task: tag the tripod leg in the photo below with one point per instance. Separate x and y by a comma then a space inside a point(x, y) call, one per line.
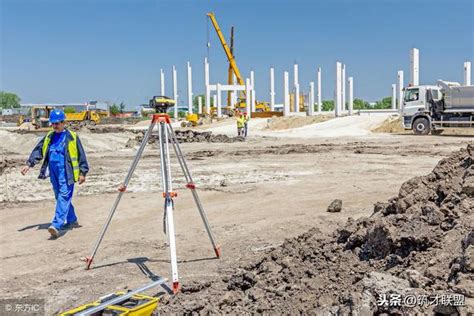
point(122, 189)
point(190, 185)
point(169, 204)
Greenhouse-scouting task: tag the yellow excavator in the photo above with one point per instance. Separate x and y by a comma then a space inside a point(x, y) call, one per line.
point(241, 104)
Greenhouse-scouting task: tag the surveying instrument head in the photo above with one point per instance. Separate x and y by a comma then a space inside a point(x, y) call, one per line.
point(161, 103)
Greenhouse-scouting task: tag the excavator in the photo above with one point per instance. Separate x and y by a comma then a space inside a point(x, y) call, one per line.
point(241, 104)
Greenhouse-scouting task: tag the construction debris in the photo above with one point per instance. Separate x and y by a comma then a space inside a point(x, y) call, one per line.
point(419, 245)
point(335, 206)
point(188, 136)
point(7, 163)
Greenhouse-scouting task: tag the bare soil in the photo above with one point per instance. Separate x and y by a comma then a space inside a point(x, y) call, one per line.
point(256, 193)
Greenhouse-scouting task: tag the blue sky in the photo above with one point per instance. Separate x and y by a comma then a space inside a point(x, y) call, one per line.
point(80, 50)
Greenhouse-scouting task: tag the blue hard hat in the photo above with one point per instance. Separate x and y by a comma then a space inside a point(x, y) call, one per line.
point(57, 116)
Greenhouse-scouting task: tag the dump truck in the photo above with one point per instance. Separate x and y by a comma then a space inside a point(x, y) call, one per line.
point(40, 117)
point(431, 108)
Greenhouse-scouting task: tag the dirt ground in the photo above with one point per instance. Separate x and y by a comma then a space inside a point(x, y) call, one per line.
point(256, 193)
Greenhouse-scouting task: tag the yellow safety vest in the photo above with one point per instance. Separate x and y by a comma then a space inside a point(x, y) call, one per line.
point(71, 148)
point(240, 122)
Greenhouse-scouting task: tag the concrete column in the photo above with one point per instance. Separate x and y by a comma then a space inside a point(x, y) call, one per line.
point(400, 89)
point(175, 92)
point(338, 90)
point(214, 100)
point(206, 87)
point(467, 73)
point(252, 83)
point(200, 105)
point(394, 96)
point(286, 94)
point(272, 89)
point(248, 96)
point(311, 99)
point(414, 66)
point(297, 89)
point(252, 102)
point(350, 82)
point(343, 80)
point(162, 82)
point(319, 90)
point(233, 96)
point(218, 104)
point(190, 89)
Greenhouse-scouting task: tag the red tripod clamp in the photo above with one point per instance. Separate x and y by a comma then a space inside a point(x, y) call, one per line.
point(158, 118)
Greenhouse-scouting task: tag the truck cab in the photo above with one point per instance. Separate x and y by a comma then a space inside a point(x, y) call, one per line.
point(414, 101)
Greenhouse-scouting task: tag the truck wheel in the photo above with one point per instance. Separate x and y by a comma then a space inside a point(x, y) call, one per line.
point(421, 126)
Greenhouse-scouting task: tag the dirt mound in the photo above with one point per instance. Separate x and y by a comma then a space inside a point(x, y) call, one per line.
point(188, 136)
point(120, 120)
point(391, 125)
point(419, 245)
point(7, 163)
point(287, 122)
point(99, 129)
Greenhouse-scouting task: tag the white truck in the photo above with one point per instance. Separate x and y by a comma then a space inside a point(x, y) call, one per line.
point(431, 108)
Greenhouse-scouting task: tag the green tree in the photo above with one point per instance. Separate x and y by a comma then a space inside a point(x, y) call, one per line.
point(328, 105)
point(114, 109)
point(385, 103)
point(121, 107)
point(69, 109)
point(360, 104)
point(196, 102)
point(9, 100)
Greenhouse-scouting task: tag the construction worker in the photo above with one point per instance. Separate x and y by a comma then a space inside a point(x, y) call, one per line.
point(246, 124)
point(240, 124)
point(62, 153)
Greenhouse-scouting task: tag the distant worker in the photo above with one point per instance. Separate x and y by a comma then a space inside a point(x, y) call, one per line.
point(62, 153)
point(240, 124)
point(246, 124)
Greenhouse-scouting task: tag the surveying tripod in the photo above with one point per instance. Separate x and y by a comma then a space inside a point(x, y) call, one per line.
point(166, 135)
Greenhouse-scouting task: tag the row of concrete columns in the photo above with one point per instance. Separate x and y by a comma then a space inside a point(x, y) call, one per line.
point(251, 93)
point(340, 103)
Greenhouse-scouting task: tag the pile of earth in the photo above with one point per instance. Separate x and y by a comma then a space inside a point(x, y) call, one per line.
point(391, 125)
point(287, 122)
point(7, 163)
point(418, 245)
point(188, 136)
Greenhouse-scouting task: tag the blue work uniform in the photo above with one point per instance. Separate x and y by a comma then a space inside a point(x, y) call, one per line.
point(63, 190)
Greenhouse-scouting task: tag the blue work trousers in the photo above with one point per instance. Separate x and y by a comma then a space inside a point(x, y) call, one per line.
point(63, 194)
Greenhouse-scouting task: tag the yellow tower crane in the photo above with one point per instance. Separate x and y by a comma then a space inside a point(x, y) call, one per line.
point(241, 103)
